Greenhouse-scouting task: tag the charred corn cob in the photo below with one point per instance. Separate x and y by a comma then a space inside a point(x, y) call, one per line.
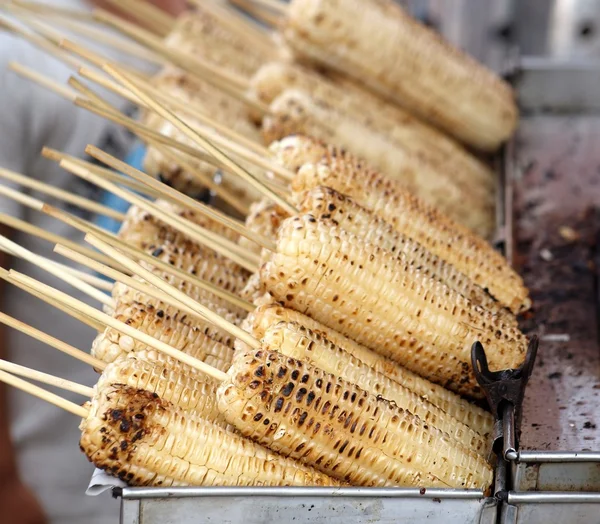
point(467, 202)
point(378, 44)
point(264, 218)
point(305, 413)
point(201, 341)
point(196, 263)
point(407, 214)
point(266, 316)
point(409, 133)
point(168, 378)
point(386, 304)
point(215, 104)
point(327, 204)
point(298, 342)
point(146, 441)
point(200, 34)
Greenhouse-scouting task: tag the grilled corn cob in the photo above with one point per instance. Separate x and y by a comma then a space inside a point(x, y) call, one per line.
point(407, 214)
point(268, 315)
point(170, 379)
point(386, 304)
point(201, 341)
point(146, 441)
point(264, 218)
point(409, 133)
point(217, 105)
point(465, 201)
point(196, 263)
point(327, 204)
point(305, 413)
point(378, 44)
point(297, 341)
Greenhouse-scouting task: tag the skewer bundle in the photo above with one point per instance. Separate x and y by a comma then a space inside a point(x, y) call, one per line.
point(332, 328)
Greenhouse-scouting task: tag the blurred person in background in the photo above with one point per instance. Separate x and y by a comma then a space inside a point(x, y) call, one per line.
point(43, 475)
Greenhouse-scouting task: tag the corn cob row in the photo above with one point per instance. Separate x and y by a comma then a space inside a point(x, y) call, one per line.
point(441, 236)
point(269, 315)
point(327, 204)
point(298, 342)
point(468, 203)
point(146, 441)
point(202, 341)
point(264, 218)
point(420, 139)
point(168, 378)
point(385, 304)
point(305, 413)
point(382, 47)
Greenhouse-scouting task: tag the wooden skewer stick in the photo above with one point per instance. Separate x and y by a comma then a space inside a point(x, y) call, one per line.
point(180, 198)
point(43, 81)
point(129, 281)
point(63, 347)
point(98, 283)
point(146, 14)
point(274, 5)
point(258, 12)
point(36, 391)
point(57, 156)
point(78, 315)
point(120, 326)
point(132, 84)
point(25, 227)
point(195, 232)
point(88, 93)
point(36, 260)
point(137, 254)
point(63, 12)
point(42, 43)
point(71, 198)
point(172, 291)
point(192, 110)
point(45, 378)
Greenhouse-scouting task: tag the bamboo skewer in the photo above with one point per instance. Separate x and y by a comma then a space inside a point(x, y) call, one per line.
point(42, 43)
point(71, 198)
point(88, 93)
point(36, 391)
point(98, 283)
point(274, 5)
point(189, 109)
point(78, 315)
point(32, 258)
point(119, 326)
point(57, 156)
point(130, 281)
point(172, 291)
point(25, 227)
point(146, 14)
point(193, 231)
point(180, 198)
point(133, 85)
point(52, 10)
point(258, 12)
point(43, 81)
point(145, 257)
point(61, 346)
point(45, 378)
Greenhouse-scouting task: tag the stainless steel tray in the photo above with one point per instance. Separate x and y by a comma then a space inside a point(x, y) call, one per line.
point(305, 505)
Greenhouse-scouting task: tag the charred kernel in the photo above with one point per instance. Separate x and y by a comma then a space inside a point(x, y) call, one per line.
point(343, 447)
point(266, 422)
point(257, 417)
point(319, 383)
point(302, 418)
point(278, 405)
point(281, 372)
point(300, 394)
point(160, 313)
point(125, 426)
point(309, 398)
point(300, 446)
point(157, 252)
point(254, 384)
point(287, 389)
point(295, 374)
point(260, 371)
point(116, 414)
point(304, 379)
point(124, 445)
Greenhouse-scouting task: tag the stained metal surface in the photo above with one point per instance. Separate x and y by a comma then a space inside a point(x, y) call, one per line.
point(557, 191)
point(230, 505)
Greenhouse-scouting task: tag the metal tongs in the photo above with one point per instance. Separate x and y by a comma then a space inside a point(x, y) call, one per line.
point(504, 391)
